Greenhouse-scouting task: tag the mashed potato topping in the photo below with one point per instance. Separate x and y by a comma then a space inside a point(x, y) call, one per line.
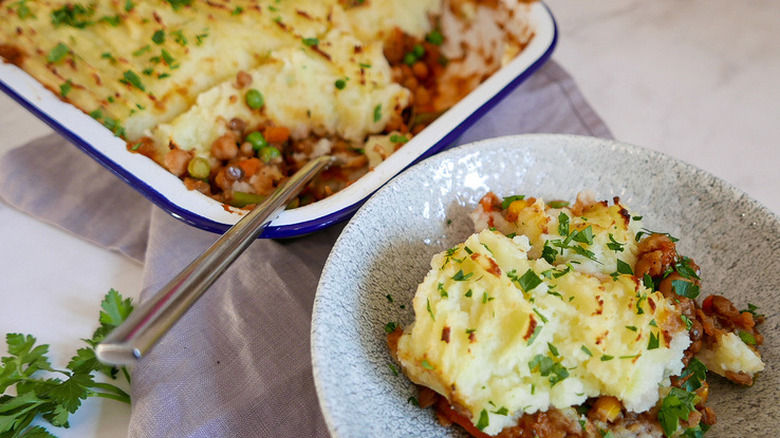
point(550, 308)
point(524, 335)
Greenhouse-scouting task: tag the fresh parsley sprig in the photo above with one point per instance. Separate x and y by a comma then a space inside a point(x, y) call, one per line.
point(54, 394)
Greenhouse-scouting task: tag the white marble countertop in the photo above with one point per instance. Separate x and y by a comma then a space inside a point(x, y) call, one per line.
point(695, 79)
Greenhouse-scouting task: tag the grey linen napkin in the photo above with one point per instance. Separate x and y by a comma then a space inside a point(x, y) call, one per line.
point(238, 363)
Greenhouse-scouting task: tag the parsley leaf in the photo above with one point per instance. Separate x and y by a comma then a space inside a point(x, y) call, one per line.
point(685, 288)
point(54, 399)
point(677, 405)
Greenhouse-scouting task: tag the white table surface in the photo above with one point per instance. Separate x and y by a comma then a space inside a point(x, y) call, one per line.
point(696, 79)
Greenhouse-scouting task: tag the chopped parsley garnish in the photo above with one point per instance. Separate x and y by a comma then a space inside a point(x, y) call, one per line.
point(687, 321)
point(111, 20)
point(645, 231)
point(653, 343)
point(553, 349)
point(427, 365)
point(459, 276)
point(747, 338)
point(563, 224)
point(527, 282)
point(58, 53)
point(442, 291)
point(685, 288)
point(584, 236)
point(537, 330)
point(131, 78)
point(623, 268)
point(129, 5)
point(179, 37)
point(72, 14)
point(752, 310)
point(237, 11)
point(539, 314)
point(614, 245)
point(632, 328)
point(468, 293)
point(159, 36)
point(684, 267)
point(693, 374)
point(340, 84)
point(558, 204)
point(510, 199)
point(647, 281)
point(606, 357)
point(65, 88)
point(393, 369)
point(484, 420)
point(549, 254)
point(501, 411)
point(142, 50)
point(428, 306)
point(413, 401)
point(378, 113)
point(22, 10)
point(389, 298)
point(585, 349)
point(676, 406)
point(311, 42)
point(177, 4)
point(390, 327)
point(547, 367)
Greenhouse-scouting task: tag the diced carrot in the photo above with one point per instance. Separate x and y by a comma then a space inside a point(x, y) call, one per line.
point(276, 134)
point(249, 166)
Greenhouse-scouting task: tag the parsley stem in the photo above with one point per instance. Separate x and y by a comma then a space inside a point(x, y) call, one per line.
point(113, 391)
point(124, 399)
point(113, 397)
point(126, 373)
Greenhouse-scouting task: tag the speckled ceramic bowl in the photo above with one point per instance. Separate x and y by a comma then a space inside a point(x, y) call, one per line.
point(387, 246)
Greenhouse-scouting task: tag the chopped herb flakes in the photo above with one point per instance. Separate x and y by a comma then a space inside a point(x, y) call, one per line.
point(58, 53)
point(547, 367)
point(460, 276)
point(65, 88)
point(686, 288)
point(484, 420)
point(131, 78)
point(377, 113)
point(653, 343)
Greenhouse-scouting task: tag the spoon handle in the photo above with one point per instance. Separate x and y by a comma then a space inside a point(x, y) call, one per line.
point(153, 317)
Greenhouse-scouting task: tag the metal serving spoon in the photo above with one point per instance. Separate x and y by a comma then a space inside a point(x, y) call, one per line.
point(152, 318)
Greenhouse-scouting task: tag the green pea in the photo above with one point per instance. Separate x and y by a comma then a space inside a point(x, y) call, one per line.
point(257, 140)
point(268, 153)
point(254, 99)
point(199, 168)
